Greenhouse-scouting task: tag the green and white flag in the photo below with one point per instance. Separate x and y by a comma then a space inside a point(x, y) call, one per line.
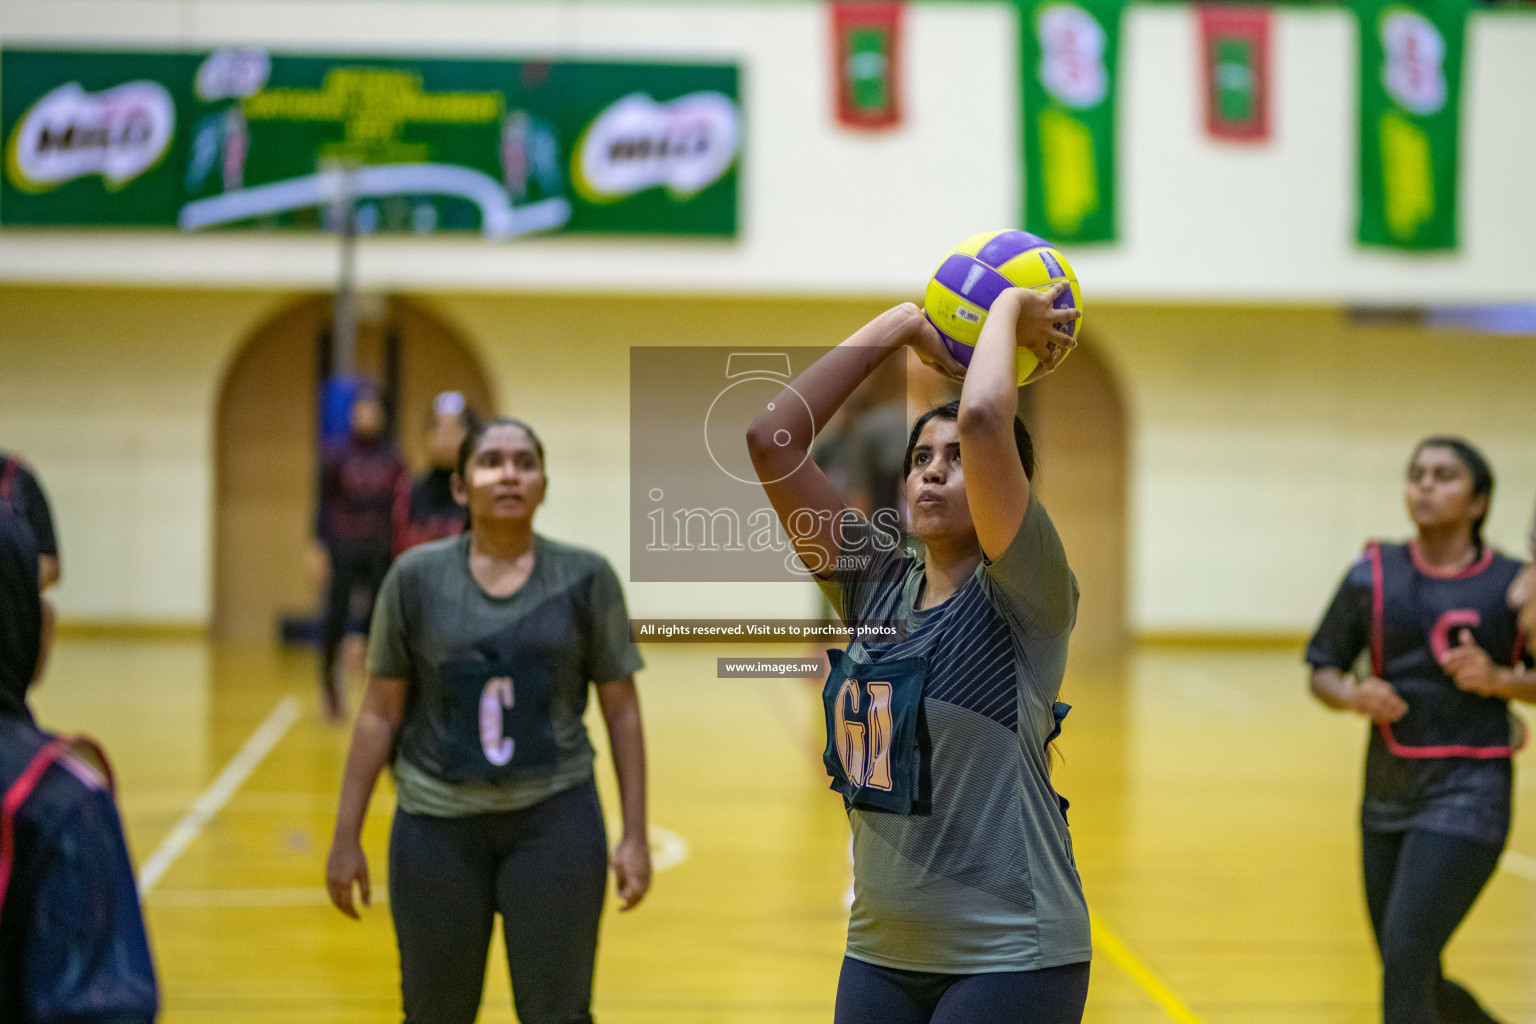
point(1410, 121)
point(1070, 50)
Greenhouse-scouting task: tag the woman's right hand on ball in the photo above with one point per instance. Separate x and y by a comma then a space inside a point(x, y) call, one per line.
point(925, 340)
point(345, 866)
point(1377, 700)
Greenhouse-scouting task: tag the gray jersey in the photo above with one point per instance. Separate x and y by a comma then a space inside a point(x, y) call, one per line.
point(566, 627)
point(986, 882)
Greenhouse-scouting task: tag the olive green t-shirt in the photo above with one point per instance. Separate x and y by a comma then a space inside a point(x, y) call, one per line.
point(497, 685)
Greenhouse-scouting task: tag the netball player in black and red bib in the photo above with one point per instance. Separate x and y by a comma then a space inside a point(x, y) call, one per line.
point(1446, 655)
point(425, 509)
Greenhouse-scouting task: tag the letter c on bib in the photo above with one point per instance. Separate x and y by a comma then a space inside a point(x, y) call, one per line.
point(494, 741)
point(1457, 618)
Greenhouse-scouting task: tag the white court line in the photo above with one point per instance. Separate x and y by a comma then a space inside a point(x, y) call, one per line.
point(305, 896)
point(668, 849)
point(240, 767)
point(1518, 864)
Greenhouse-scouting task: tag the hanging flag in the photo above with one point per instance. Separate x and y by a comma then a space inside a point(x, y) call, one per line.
point(866, 63)
point(1410, 120)
point(1234, 44)
point(1070, 50)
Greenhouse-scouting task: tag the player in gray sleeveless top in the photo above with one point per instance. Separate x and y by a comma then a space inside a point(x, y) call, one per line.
point(967, 902)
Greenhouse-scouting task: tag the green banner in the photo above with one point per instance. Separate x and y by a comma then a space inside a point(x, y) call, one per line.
point(242, 137)
point(1070, 52)
point(1410, 121)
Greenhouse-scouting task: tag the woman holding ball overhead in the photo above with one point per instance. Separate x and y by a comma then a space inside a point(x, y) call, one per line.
point(967, 904)
point(481, 654)
point(1446, 656)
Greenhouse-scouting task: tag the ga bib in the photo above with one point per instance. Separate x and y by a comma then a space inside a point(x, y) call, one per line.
point(877, 739)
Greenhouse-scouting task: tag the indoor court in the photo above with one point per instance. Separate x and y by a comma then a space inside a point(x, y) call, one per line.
point(1212, 814)
point(380, 378)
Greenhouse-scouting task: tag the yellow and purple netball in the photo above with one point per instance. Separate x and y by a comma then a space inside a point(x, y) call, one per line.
point(980, 269)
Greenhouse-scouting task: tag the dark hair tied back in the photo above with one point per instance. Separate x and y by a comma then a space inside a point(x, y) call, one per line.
point(951, 411)
point(477, 431)
point(1477, 465)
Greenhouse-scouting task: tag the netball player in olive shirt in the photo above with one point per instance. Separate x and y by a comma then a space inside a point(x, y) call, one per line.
point(967, 904)
point(481, 653)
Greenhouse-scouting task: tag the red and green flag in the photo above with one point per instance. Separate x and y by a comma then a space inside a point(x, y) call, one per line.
point(1069, 83)
point(1410, 121)
point(866, 63)
point(1235, 53)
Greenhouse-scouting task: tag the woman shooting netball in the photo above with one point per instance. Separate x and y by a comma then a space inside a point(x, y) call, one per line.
point(967, 904)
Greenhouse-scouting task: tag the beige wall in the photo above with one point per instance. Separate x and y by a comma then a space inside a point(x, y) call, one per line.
point(111, 394)
point(1266, 445)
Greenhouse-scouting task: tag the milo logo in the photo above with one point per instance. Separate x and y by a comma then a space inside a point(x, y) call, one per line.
point(684, 145)
point(1414, 72)
point(1072, 45)
point(118, 133)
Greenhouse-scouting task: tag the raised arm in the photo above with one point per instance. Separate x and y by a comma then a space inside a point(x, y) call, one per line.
point(995, 484)
point(805, 501)
point(373, 737)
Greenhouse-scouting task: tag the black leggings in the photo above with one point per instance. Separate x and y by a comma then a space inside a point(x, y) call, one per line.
point(1420, 886)
point(353, 567)
point(867, 994)
point(544, 868)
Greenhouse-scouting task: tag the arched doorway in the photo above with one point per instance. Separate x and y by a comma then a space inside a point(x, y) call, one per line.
point(265, 467)
point(1079, 423)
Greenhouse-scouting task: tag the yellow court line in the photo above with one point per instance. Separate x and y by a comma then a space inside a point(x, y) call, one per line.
point(1108, 943)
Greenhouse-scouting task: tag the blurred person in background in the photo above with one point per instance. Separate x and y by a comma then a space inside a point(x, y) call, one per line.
point(359, 477)
point(1445, 658)
point(425, 508)
point(877, 444)
point(484, 650)
point(21, 493)
point(72, 942)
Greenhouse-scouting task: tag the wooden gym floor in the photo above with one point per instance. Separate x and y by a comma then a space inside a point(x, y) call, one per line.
point(1213, 809)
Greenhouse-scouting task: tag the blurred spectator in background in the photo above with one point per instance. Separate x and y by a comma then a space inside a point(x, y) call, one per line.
point(862, 447)
point(72, 942)
point(425, 510)
point(22, 494)
point(877, 441)
point(876, 447)
point(359, 477)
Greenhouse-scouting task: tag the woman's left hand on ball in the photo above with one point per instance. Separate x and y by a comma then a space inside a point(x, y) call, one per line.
point(631, 862)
